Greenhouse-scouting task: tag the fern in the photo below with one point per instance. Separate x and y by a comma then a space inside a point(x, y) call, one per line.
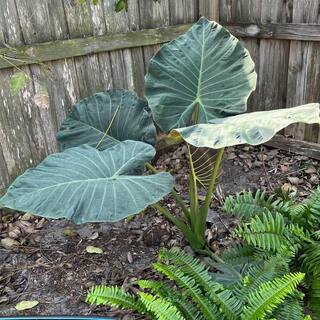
point(276, 266)
point(161, 308)
point(199, 297)
point(183, 305)
point(198, 272)
point(269, 295)
point(191, 288)
point(311, 258)
point(114, 296)
point(267, 232)
point(291, 309)
point(247, 205)
point(314, 295)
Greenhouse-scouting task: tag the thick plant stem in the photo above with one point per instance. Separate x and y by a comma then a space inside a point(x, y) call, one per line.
point(193, 191)
point(173, 192)
point(213, 179)
point(184, 228)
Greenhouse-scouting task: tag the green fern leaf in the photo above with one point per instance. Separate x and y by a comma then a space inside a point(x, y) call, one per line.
point(187, 309)
point(114, 296)
point(199, 273)
point(269, 295)
point(267, 232)
point(311, 258)
point(259, 274)
point(289, 310)
point(191, 288)
point(314, 294)
point(246, 205)
point(161, 308)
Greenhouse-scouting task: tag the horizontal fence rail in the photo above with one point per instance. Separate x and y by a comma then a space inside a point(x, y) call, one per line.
point(50, 51)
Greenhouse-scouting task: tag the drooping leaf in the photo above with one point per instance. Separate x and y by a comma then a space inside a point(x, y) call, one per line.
point(17, 82)
point(119, 112)
point(204, 74)
point(88, 185)
point(251, 128)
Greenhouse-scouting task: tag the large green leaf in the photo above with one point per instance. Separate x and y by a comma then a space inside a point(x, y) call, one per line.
point(202, 75)
point(88, 185)
point(251, 128)
point(119, 110)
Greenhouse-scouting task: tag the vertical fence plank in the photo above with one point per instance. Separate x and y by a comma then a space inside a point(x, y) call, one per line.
point(273, 59)
point(246, 11)
point(210, 9)
point(304, 69)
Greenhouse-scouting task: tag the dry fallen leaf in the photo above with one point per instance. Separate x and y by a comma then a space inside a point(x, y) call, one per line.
point(9, 243)
point(129, 257)
point(294, 180)
point(310, 170)
point(26, 304)
point(92, 249)
point(94, 236)
point(287, 187)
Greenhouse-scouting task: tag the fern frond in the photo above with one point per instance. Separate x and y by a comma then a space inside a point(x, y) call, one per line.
point(192, 267)
point(191, 288)
point(114, 296)
point(199, 273)
point(311, 258)
point(269, 295)
point(307, 214)
point(267, 232)
point(188, 310)
point(291, 309)
point(239, 254)
point(259, 274)
point(161, 308)
point(314, 294)
point(246, 205)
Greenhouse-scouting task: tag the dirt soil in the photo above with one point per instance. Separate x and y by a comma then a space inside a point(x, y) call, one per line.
point(47, 261)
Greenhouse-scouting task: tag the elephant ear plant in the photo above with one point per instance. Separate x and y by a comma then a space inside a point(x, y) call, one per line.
point(197, 86)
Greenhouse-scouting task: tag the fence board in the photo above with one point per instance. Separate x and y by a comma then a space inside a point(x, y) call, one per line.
point(304, 69)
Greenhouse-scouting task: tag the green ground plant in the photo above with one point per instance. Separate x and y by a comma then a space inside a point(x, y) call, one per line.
point(196, 90)
point(275, 227)
point(265, 291)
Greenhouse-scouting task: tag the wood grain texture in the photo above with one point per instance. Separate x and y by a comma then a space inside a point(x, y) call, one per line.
point(308, 149)
point(281, 31)
point(304, 69)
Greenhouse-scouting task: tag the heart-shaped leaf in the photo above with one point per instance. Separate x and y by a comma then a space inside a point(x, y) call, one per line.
point(88, 185)
point(105, 119)
point(251, 128)
point(202, 75)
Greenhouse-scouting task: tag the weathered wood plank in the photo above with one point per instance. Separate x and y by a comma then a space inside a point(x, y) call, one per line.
point(308, 149)
point(56, 50)
point(209, 9)
point(80, 47)
point(244, 11)
point(273, 58)
point(304, 70)
point(281, 31)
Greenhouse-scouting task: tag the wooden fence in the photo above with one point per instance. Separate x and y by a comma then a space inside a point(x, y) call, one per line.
point(73, 51)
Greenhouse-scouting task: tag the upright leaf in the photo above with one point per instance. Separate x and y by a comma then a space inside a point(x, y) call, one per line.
point(202, 75)
point(120, 111)
point(88, 185)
